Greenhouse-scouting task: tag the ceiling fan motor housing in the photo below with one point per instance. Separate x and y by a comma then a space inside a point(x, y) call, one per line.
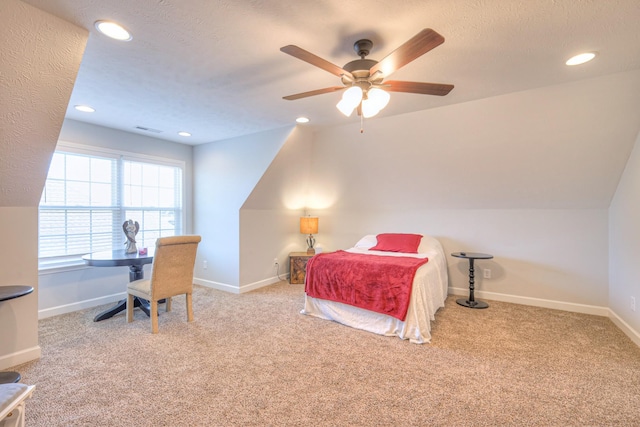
point(363, 47)
point(359, 68)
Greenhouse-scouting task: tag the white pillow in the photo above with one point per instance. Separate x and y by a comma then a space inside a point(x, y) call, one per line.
point(367, 242)
point(427, 244)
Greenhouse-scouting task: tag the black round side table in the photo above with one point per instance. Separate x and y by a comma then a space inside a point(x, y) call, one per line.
point(471, 256)
point(7, 293)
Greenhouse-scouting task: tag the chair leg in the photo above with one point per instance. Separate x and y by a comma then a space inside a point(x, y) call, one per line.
point(154, 317)
point(189, 308)
point(168, 304)
point(129, 308)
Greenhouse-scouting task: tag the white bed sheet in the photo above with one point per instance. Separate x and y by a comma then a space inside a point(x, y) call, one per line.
point(428, 294)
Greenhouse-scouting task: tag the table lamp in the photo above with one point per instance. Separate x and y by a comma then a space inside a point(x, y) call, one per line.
point(309, 225)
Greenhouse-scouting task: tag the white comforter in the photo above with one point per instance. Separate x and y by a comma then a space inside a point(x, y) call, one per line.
point(428, 294)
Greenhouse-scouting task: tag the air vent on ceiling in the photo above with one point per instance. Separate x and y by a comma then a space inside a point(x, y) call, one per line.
point(148, 129)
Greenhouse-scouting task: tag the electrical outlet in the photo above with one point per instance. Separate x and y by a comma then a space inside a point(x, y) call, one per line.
point(487, 273)
point(204, 264)
point(633, 303)
point(275, 261)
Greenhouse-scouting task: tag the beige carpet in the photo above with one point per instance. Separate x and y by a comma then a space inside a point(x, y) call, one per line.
point(252, 359)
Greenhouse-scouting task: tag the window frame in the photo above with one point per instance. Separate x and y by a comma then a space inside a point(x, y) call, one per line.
point(72, 262)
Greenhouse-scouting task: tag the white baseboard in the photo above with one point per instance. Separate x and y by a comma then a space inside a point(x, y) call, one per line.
point(558, 305)
point(536, 302)
point(624, 327)
point(108, 299)
point(239, 290)
point(80, 305)
point(20, 357)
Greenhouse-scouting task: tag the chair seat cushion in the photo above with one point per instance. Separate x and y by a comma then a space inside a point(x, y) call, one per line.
point(11, 395)
point(140, 286)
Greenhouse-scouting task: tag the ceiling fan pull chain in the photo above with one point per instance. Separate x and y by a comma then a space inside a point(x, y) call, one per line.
point(361, 123)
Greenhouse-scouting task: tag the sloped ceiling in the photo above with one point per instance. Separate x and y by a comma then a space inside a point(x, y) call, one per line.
point(40, 55)
point(214, 68)
point(558, 147)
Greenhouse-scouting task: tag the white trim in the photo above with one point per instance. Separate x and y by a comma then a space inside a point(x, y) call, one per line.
point(535, 302)
point(217, 285)
point(235, 289)
point(20, 357)
point(127, 155)
point(80, 305)
point(69, 266)
point(624, 327)
point(259, 284)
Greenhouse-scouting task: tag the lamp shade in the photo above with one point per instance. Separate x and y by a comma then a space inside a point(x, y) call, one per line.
point(309, 225)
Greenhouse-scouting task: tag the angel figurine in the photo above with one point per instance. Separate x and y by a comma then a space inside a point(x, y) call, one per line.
point(131, 228)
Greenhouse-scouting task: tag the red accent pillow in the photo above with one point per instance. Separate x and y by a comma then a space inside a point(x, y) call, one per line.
point(398, 242)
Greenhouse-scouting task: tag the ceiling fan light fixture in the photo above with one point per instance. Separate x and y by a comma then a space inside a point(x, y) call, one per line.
point(369, 108)
point(379, 97)
point(353, 95)
point(350, 100)
point(345, 107)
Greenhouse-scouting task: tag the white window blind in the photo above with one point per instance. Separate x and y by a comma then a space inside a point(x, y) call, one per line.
point(88, 195)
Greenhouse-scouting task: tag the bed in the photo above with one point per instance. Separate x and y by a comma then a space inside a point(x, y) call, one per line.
point(427, 292)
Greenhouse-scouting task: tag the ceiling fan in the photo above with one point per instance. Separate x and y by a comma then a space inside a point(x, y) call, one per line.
point(363, 79)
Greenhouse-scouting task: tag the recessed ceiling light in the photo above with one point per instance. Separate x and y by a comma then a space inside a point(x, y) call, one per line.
point(85, 108)
point(183, 133)
point(302, 120)
point(581, 58)
point(113, 30)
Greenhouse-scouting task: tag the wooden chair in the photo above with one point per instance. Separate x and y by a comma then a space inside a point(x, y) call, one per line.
point(171, 275)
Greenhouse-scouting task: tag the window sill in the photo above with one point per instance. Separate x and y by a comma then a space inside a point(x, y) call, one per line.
point(61, 267)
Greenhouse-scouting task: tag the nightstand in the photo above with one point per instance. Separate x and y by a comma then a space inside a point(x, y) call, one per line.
point(298, 266)
point(471, 256)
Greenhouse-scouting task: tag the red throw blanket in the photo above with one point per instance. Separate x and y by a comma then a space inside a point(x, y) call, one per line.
point(377, 283)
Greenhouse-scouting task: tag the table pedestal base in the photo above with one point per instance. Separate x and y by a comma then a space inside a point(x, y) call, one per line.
point(472, 304)
point(122, 306)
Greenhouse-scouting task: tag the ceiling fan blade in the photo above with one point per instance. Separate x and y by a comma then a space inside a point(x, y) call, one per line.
point(312, 59)
point(418, 45)
point(438, 89)
point(313, 92)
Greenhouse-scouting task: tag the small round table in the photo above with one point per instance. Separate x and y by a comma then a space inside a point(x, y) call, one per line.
point(471, 256)
point(117, 258)
point(7, 293)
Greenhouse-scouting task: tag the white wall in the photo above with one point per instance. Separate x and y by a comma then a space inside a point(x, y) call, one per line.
point(558, 147)
point(66, 290)
point(549, 258)
point(226, 173)
point(40, 55)
point(19, 266)
point(270, 217)
point(527, 177)
point(624, 250)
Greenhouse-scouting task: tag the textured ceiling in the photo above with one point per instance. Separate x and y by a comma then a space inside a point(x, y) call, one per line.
point(36, 81)
point(214, 68)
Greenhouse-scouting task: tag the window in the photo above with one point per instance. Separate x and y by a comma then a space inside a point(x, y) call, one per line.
point(89, 193)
